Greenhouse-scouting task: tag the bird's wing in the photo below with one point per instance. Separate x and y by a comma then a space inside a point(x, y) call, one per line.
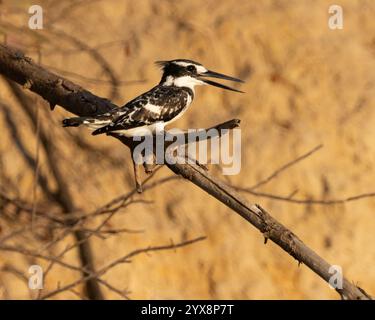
point(158, 104)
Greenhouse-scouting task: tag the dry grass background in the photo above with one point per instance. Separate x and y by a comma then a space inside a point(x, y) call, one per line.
point(305, 85)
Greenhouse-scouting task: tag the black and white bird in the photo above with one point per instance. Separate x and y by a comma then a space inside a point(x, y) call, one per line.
point(164, 103)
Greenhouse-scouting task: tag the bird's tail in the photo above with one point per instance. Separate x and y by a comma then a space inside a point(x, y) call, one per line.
point(73, 122)
point(93, 123)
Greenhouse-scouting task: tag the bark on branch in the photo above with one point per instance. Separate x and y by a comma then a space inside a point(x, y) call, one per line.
point(55, 89)
point(267, 225)
point(77, 100)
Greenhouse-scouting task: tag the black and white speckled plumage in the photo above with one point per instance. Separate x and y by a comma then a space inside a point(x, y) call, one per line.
point(164, 103)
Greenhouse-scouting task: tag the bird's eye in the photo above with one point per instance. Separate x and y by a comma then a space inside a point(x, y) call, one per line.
point(191, 68)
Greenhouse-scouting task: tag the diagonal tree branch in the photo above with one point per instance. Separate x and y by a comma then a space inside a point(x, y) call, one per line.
point(53, 88)
point(257, 216)
point(266, 224)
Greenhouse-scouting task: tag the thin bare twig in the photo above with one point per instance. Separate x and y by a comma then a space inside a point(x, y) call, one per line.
point(306, 201)
point(62, 196)
point(124, 259)
point(37, 149)
point(284, 167)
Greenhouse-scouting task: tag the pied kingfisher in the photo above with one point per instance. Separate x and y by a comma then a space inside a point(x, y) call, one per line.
point(164, 103)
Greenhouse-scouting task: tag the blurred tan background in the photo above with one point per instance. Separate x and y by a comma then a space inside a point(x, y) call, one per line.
point(305, 85)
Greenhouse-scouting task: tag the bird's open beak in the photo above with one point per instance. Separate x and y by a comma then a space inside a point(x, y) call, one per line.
point(213, 74)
